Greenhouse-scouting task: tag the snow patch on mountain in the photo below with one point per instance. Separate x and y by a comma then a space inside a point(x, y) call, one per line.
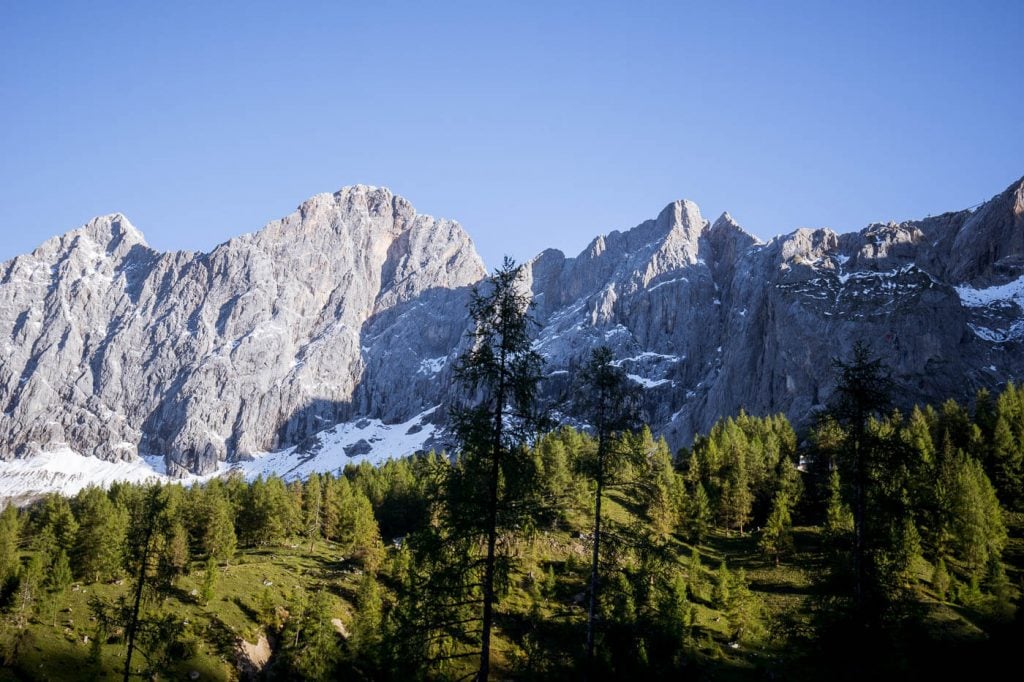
point(1003, 293)
point(348, 443)
point(67, 472)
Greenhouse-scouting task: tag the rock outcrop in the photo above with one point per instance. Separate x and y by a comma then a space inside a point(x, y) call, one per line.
point(354, 307)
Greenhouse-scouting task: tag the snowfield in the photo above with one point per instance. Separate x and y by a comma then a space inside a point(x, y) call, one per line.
point(366, 440)
point(1004, 293)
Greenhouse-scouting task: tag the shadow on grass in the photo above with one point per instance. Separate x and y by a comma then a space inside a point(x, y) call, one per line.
point(249, 612)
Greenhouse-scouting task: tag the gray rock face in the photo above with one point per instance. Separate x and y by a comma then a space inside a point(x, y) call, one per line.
point(112, 348)
point(709, 321)
point(354, 307)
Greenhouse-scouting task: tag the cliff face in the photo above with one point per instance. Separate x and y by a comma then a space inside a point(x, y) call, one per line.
point(353, 308)
point(709, 320)
point(113, 348)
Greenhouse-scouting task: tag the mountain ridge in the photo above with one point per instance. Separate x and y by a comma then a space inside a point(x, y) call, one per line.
point(114, 349)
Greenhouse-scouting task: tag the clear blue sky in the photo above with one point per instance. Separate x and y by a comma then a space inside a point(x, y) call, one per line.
point(533, 124)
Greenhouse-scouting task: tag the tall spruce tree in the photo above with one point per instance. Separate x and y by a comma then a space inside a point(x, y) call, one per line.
point(862, 392)
point(502, 372)
point(611, 406)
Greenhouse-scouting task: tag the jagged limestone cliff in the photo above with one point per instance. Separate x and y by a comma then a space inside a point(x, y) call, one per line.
point(353, 308)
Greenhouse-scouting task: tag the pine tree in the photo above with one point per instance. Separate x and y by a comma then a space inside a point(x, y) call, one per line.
point(611, 406)
point(210, 575)
point(775, 538)
point(676, 612)
point(998, 584)
point(838, 518)
point(312, 509)
point(172, 552)
point(58, 579)
point(55, 525)
point(503, 371)
point(1006, 461)
point(30, 584)
point(141, 551)
point(978, 532)
point(367, 626)
point(700, 514)
point(862, 392)
point(314, 651)
point(217, 533)
point(100, 536)
point(742, 607)
point(723, 585)
point(10, 542)
point(337, 502)
point(940, 579)
point(358, 533)
point(737, 500)
point(696, 575)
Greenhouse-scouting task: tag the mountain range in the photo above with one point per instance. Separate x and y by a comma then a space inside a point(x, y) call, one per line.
point(330, 335)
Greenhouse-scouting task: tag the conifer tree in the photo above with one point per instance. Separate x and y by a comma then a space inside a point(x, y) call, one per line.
point(722, 589)
point(838, 518)
point(742, 607)
point(700, 514)
point(696, 574)
point(172, 552)
point(313, 650)
point(10, 541)
point(210, 575)
point(502, 371)
point(217, 532)
point(775, 538)
point(940, 579)
point(862, 392)
point(30, 585)
point(312, 509)
point(58, 579)
point(55, 525)
point(974, 516)
point(611, 406)
point(99, 540)
point(367, 626)
point(737, 500)
point(140, 559)
point(337, 503)
point(330, 509)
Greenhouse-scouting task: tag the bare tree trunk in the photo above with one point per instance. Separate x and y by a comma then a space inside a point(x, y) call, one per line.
point(492, 529)
point(595, 560)
point(133, 624)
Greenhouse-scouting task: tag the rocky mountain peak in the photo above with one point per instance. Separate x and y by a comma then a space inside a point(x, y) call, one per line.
point(104, 237)
point(352, 310)
point(682, 217)
point(989, 242)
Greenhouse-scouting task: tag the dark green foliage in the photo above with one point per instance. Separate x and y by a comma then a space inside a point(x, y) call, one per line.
point(738, 465)
point(100, 536)
point(53, 525)
point(213, 528)
point(10, 542)
point(940, 579)
point(494, 485)
point(209, 580)
point(58, 579)
point(309, 649)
